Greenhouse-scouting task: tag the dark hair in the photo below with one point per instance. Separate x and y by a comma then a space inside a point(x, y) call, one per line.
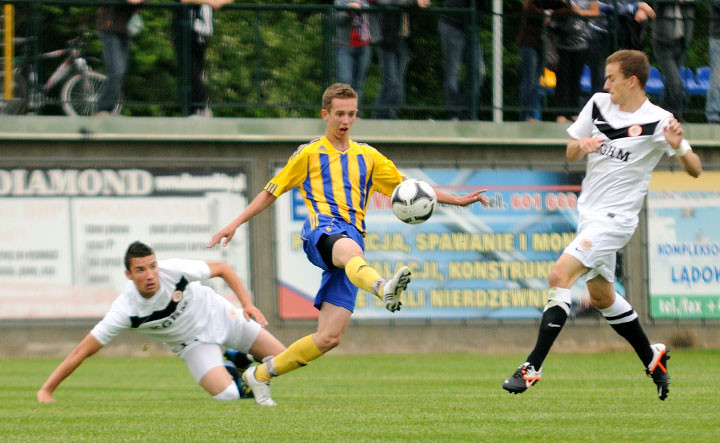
point(631, 63)
point(137, 250)
point(337, 90)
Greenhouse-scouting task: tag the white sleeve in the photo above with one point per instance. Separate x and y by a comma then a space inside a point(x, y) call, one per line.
point(192, 270)
point(583, 126)
point(110, 326)
point(659, 137)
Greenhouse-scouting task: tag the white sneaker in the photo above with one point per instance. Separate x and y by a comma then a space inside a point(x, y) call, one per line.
point(393, 288)
point(260, 390)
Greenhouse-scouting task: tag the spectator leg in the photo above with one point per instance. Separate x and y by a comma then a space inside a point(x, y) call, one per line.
point(389, 95)
point(197, 77)
point(669, 57)
point(115, 51)
point(452, 44)
point(712, 104)
point(362, 56)
point(530, 65)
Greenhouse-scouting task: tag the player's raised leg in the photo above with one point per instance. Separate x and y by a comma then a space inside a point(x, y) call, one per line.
point(624, 320)
point(346, 253)
point(562, 276)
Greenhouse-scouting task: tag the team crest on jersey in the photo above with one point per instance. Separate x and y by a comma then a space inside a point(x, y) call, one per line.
point(635, 130)
point(177, 296)
point(585, 244)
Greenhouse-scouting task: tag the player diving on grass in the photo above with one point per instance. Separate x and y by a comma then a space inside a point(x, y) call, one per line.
point(164, 300)
point(623, 136)
point(336, 177)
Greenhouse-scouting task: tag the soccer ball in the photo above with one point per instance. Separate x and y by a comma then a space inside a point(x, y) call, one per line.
point(413, 201)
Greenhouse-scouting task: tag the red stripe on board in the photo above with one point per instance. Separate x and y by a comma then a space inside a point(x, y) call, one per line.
point(292, 305)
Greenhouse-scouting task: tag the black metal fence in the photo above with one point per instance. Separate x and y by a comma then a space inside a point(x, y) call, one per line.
point(275, 60)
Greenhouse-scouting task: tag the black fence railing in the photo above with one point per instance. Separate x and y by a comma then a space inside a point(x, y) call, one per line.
point(264, 60)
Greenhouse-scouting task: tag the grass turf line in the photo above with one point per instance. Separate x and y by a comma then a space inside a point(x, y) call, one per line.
point(582, 397)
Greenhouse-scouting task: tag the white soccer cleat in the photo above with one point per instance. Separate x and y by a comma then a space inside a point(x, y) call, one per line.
point(393, 288)
point(260, 390)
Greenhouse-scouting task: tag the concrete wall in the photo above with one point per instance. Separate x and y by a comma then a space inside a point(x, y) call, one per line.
point(260, 145)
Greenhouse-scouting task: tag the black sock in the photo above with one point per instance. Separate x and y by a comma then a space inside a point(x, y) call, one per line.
point(552, 322)
point(634, 334)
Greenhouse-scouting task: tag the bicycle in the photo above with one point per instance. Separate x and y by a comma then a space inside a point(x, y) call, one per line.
point(78, 94)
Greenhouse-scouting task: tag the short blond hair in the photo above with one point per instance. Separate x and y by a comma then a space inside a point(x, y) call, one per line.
point(631, 63)
point(337, 90)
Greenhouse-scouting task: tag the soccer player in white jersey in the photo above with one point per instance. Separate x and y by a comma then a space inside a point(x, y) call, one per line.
point(623, 136)
point(165, 300)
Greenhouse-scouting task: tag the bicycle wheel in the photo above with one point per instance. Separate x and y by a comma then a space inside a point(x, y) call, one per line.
point(18, 103)
point(80, 93)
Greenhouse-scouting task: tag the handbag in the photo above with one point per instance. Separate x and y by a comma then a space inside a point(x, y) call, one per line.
point(135, 24)
point(552, 58)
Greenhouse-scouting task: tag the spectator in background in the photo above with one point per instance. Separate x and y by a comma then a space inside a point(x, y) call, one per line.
point(530, 47)
point(601, 40)
point(352, 45)
point(459, 43)
point(114, 33)
point(573, 34)
point(712, 104)
point(393, 38)
point(672, 33)
point(191, 51)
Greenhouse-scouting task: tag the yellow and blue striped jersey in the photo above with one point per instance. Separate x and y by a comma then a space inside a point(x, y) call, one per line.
point(334, 183)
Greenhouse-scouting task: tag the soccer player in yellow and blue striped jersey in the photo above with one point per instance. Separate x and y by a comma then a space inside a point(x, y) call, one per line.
point(336, 177)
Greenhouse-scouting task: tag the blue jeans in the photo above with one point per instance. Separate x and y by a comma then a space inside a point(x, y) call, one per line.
point(530, 65)
point(712, 103)
point(393, 63)
point(456, 50)
point(567, 92)
point(115, 51)
point(669, 56)
point(352, 66)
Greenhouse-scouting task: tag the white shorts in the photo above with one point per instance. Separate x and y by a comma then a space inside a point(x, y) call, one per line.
point(597, 241)
point(229, 329)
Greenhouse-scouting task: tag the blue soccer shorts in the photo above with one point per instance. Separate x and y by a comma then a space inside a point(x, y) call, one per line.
point(335, 287)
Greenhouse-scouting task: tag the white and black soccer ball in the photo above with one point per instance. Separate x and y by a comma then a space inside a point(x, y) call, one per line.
point(413, 201)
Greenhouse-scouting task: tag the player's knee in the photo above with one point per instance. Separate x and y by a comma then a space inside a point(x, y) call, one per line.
point(346, 251)
point(601, 300)
point(326, 342)
point(230, 393)
point(557, 278)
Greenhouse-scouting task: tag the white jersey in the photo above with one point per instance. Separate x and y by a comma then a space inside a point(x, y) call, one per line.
point(617, 176)
point(175, 318)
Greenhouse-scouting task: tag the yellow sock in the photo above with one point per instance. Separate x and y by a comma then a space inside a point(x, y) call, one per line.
point(295, 356)
point(362, 275)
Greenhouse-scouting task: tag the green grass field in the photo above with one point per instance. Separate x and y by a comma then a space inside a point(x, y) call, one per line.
point(439, 397)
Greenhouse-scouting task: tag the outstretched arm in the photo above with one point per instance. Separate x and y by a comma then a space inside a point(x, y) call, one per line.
point(674, 135)
point(461, 200)
point(227, 273)
point(259, 204)
point(87, 347)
